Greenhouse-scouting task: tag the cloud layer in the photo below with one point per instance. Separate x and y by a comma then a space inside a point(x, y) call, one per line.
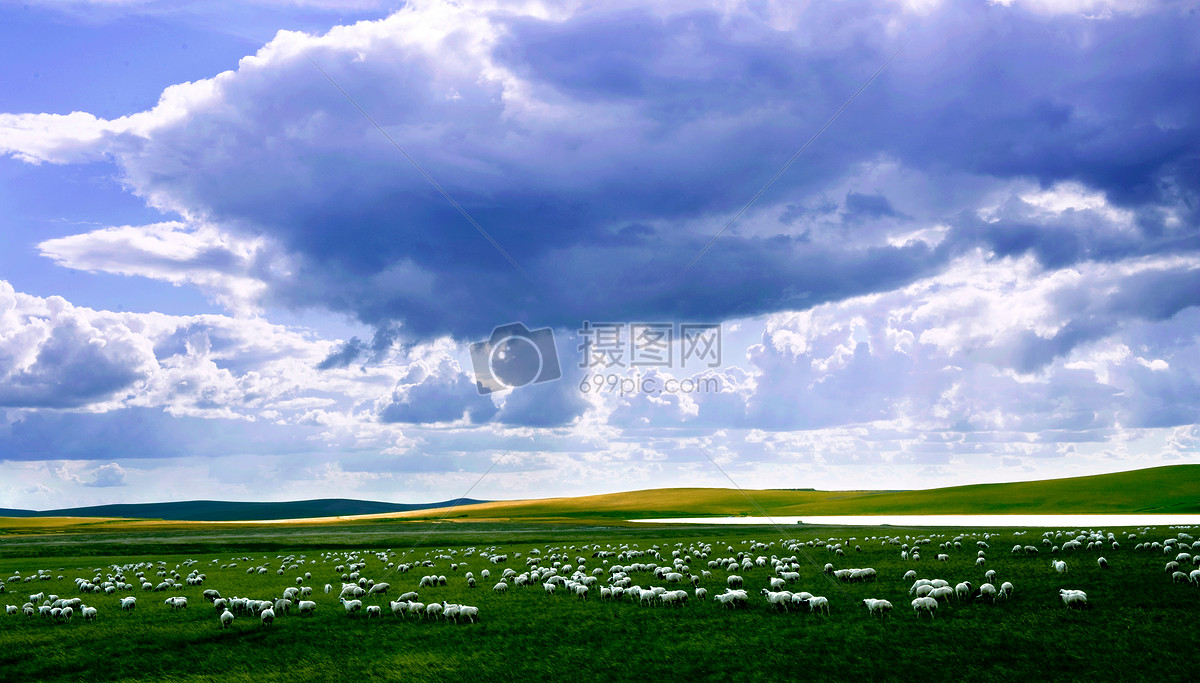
point(990, 258)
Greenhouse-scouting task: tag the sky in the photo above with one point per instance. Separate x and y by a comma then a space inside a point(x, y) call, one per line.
point(276, 249)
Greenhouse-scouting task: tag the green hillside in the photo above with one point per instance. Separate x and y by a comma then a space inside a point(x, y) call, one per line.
point(1162, 490)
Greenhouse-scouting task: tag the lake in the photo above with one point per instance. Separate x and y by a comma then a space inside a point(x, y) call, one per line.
point(950, 520)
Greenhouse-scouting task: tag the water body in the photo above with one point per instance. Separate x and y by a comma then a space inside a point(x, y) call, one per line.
point(1055, 521)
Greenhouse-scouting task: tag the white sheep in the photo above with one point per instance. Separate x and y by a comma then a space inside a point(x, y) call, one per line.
point(88, 613)
point(926, 604)
point(128, 603)
point(267, 616)
point(433, 609)
point(306, 606)
point(12, 609)
point(702, 593)
point(468, 612)
point(1102, 562)
point(351, 605)
point(379, 589)
point(818, 603)
point(880, 607)
point(988, 590)
point(734, 581)
point(373, 611)
point(500, 587)
point(328, 588)
point(1178, 577)
point(1006, 590)
point(962, 590)
point(226, 618)
point(778, 598)
point(1073, 598)
point(942, 593)
point(1059, 566)
point(732, 598)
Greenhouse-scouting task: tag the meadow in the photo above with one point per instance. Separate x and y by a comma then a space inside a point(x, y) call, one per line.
point(1139, 625)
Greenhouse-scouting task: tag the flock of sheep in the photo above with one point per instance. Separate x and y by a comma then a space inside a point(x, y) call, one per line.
point(612, 573)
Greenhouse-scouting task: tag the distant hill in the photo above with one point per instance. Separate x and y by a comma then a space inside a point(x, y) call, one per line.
point(223, 511)
point(1172, 489)
point(1159, 490)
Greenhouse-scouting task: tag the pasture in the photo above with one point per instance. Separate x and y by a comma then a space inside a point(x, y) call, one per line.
point(1138, 623)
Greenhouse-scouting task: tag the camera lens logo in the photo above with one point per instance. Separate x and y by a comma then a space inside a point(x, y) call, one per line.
point(513, 357)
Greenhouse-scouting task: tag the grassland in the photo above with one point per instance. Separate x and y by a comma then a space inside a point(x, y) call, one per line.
point(1161, 490)
point(1140, 625)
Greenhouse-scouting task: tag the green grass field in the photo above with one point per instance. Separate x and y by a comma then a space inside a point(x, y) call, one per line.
point(1139, 625)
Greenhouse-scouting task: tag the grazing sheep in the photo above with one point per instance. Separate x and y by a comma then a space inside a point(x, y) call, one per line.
point(351, 605)
point(702, 593)
point(500, 587)
point(734, 581)
point(732, 598)
point(777, 584)
point(1073, 598)
point(433, 609)
point(328, 588)
point(927, 604)
point(1178, 577)
point(942, 593)
point(1059, 566)
point(306, 606)
point(778, 598)
point(942, 557)
point(374, 611)
point(379, 589)
point(1194, 577)
point(818, 603)
point(1006, 590)
point(468, 612)
point(409, 596)
point(910, 575)
point(880, 607)
point(267, 616)
point(986, 589)
point(88, 613)
point(10, 609)
point(962, 590)
point(129, 603)
point(990, 576)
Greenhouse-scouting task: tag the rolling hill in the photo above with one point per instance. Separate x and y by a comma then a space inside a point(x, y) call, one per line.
point(222, 511)
point(1161, 490)
point(1172, 489)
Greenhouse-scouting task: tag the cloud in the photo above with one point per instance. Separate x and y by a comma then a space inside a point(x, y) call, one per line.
point(603, 149)
point(108, 475)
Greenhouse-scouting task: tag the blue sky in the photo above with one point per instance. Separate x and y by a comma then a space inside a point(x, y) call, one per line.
point(220, 279)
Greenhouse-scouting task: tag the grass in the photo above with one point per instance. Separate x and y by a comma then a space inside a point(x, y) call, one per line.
point(1137, 617)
